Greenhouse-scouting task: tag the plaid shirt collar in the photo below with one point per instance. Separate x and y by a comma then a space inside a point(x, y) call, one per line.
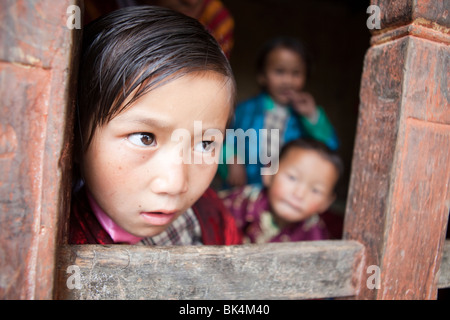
point(185, 230)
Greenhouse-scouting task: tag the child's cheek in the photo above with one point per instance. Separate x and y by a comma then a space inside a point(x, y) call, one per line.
point(124, 164)
point(316, 207)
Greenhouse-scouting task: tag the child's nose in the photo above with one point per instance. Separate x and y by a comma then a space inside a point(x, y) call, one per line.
point(171, 177)
point(300, 191)
point(288, 78)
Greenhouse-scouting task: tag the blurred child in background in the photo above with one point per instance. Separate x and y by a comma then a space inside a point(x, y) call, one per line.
point(288, 206)
point(282, 71)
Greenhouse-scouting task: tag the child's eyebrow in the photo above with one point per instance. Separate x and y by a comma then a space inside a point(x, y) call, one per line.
point(161, 124)
point(154, 123)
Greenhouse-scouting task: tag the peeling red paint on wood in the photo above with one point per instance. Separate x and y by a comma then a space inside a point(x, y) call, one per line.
point(35, 106)
point(417, 218)
point(25, 99)
point(399, 196)
point(402, 12)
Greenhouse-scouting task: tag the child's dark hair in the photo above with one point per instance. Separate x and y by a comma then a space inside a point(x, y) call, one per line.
point(321, 149)
point(137, 49)
point(286, 42)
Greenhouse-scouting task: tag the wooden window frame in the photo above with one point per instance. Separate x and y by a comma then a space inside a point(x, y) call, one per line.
point(397, 209)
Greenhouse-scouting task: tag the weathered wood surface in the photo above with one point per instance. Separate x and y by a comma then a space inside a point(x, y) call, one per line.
point(300, 270)
point(36, 54)
point(444, 271)
point(399, 197)
point(403, 12)
point(398, 202)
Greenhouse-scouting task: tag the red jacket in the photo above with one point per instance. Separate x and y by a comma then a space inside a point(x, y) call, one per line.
point(217, 225)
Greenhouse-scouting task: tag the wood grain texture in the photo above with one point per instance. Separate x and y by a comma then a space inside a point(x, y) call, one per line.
point(399, 197)
point(416, 221)
point(402, 12)
point(36, 60)
point(374, 151)
point(300, 270)
point(444, 271)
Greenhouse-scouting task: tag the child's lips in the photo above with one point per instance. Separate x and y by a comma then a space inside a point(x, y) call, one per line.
point(296, 207)
point(159, 218)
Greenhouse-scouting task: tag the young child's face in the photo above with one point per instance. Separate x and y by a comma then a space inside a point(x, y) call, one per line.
point(285, 73)
point(134, 167)
point(302, 187)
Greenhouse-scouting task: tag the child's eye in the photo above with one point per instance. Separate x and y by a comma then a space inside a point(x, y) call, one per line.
point(291, 177)
point(142, 139)
point(204, 146)
point(316, 191)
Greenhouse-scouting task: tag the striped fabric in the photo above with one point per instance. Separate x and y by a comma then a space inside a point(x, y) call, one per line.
point(214, 16)
point(219, 22)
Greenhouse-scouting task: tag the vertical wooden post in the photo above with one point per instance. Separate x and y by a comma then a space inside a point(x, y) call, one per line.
point(399, 195)
point(36, 56)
